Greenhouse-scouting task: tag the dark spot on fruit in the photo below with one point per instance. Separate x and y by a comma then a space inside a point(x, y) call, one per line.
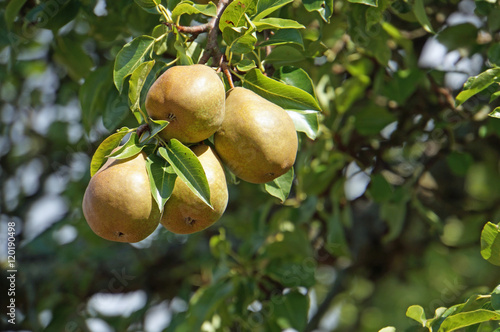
point(270, 174)
point(120, 234)
point(171, 117)
point(190, 221)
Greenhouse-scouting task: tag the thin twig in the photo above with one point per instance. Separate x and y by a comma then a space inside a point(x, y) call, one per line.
point(226, 72)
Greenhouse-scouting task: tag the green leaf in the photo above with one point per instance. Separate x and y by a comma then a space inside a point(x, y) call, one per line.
point(469, 318)
point(285, 36)
point(187, 166)
point(235, 14)
point(266, 7)
point(161, 180)
point(490, 243)
point(116, 110)
point(371, 119)
point(336, 242)
point(477, 84)
point(291, 311)
point(149, 5)
point(495, 298)
point(238, 41)
point(421, 15)
point(11, 11)
point(69, 53)
point(373, 3)
point(91, 95)
point(190, 8)
point(417, 313)
point(283, 55)
point(184, 58)
point(286, 96)
point(323, 7)
point(130, 149)
point(136, 83)
point(155, 126)
point(274, 23)
point(388, 329)
point(306, 122)
point(131, 56)
point(296, 77)
point(281, 186)
point(351, 90)
point(403, 84)
point(380, 189)
point(106, 146)
point(246, 65)
point(458, 36)
point(459, 162)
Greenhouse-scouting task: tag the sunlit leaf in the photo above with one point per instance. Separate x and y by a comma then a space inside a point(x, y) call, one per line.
point(323, 7)
point(190, 8)
point(283, 55)
point(266, 7)
point(131, 56)
point(136, 83)
point(130, 149)
point(469, 318)
point(187, 166)
point(296, 77)
point(161, 180)
point(274, 23)
point(285, 36)
point(306, 122)
point(416, 313)
point(104, 149)
point(490, 243)
point(286, 96)
point(234, 14)
point(477, 84)
point(281, 186)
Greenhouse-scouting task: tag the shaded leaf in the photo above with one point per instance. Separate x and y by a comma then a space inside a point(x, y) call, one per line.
point(291, 311)
point(495, 298)
point(421, 15)
point(306, 122)
point(283, 55)
point(104, 149)
point(116, 110)
point(91, 95)
point(371, 119)
point(490, 243)
point(245, 65)
point(286, 96)
point(69, 53)
point(161, 180)
point(284, 36)
point(373, 3)
point(11, 11)
point(149, 5)
point(281, 186)
point(130, 57)
point(187, 166)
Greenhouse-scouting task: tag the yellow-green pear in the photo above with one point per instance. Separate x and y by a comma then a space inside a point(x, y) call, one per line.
point(118, 204)
point(186, 213)
point(192, 98)
point(257, 140)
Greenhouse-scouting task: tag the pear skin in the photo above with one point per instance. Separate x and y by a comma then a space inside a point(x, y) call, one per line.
point(192, 98)
point(118, 204)
point(186, 213)
point(257, 140)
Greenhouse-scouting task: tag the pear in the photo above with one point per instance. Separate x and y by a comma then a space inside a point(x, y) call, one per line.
point(190, 97)
point(118, 204)
point(257, 140)
point(186, 213)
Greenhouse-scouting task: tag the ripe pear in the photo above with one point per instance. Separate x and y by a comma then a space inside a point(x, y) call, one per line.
point(257, 140)
point(192, 98)
point(186, 213)
point(118, 204)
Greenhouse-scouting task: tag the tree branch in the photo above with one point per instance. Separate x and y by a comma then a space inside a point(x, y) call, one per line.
point(212, 49)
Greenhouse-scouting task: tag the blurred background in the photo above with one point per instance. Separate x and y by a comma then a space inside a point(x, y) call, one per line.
point(385, 212)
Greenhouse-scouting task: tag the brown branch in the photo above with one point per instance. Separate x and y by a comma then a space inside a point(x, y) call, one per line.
point(212, 48)
point(226, 72)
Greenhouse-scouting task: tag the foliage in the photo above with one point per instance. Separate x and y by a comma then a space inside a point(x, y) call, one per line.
point(384, 213)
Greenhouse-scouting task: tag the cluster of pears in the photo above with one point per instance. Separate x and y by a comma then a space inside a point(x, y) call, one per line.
point(254, 138)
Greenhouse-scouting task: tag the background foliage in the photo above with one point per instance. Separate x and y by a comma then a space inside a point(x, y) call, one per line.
point(388, 202)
